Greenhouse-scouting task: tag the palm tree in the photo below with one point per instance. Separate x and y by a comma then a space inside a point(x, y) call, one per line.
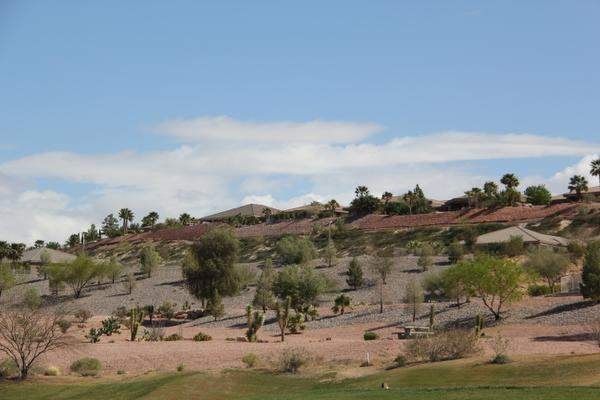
point(151, 219)
point(361, 191)
point(474, 195)
point(4, 250)
point(490, 189)
point(127, 216)
point(578, 184)
point(267, 212)
point(332, 205)
point(510, 181)
point(595, 168)
point(387, 197)
point(185, 219)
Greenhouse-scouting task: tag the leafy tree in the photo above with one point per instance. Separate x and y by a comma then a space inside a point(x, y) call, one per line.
point(92, 234)
point(456, 282)
point(214, 305)
point(490, 189)
point(113, 270)
point(149, 259)
point(53, 245)
point(110, 226)
point(496, 282)
point(363, 203)
point(578, 184)
point(425, 261)
point(77, 274)
point(264, 297)
point(595, 168)
point(73, 240)
point(456, 252)
point(330, 253)
point(538, 195)
point(185, 219)
point(302, 284)
point(547, 264)
point(355, 274)
point(126, 215)
point(32, 298)
point(39, 243)
point(382, 265)
point(7, 278)
point(4, 250)
point(26, 334)
point(45, 260)
point(295, 250)
point(340, 304)
point(590, 277)
point(515, 246)
point(150, 220)
point(413, 297)
point(210, 267)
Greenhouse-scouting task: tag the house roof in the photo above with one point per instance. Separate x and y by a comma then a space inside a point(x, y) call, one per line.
point(313, 208)
point(528, 236)
point(255, 210)
point(34, 256)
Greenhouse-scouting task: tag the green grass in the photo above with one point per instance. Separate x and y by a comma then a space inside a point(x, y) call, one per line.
point(550, 379)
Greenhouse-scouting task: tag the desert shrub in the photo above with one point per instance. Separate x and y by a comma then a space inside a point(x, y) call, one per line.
point(500, 346)
point(82, 315)
point(167, 309)
point(400, 361)
point(292, 359)
point(370, 336)
point(154, 334)
point(173, 337)
point(576, 250)
point(538, 290)
point(296, 323)
point(32, 298)
point(121, 372)
point(63, 325)
point(52, 371)
point(180, 367)
point(8, 368)
point(149, 260)
point(455, 252)
point(500, 359)
point(295, 250)
point(202, 337)
point(250, 360)
point(246, 276)
point(110, 325)
point(86, 366)
point(447, 345)
point(94, 335)
point(515, 246)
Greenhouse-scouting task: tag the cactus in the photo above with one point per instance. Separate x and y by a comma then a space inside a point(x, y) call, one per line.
point(282, 312)
point(479, 322)
point(431, 316)
point(255, 322)
point(136, 316)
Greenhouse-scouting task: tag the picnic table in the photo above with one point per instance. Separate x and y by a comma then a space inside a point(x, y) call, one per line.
point(412, 331)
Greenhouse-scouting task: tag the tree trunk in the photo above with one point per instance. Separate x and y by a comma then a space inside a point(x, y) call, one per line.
point(283, 335)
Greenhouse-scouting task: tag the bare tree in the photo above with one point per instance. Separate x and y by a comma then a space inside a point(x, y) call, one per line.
point(26, 334)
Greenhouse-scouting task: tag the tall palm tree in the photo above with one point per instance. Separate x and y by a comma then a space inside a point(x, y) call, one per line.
point(185, 219)
point(332, 205)
point(151, 219)
point(474, 195)
point(490, 189)
point(595, 168)
point(127, 216)
point(510, 181)
point(578, 184)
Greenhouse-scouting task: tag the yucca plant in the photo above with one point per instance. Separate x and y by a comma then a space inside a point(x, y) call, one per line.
point(256, 320)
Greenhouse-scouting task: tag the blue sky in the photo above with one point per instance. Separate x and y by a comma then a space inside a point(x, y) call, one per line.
point(129, 85)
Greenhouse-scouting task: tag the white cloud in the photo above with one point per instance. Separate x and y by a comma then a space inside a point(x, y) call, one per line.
point(223, 128)
point(559, 182)
point(224, 171)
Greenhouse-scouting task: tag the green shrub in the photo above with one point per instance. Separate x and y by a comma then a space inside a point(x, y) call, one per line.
point(121, 372)
point(291, 360)
point(296, 323)
point(180, 367)
point(94, 335)
point(400, 361)
point(83, 315)
point(202, 337)
point(250, 360)
point(173, 337)
point(370, 336)
point(295, 250)
point(576, 250)
point(538, 290)
point(86, 366)
point(110, 325)
point(63, 325)
point(501, 359)
point(514, 247)
point(52, 371)
point(8, 368)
